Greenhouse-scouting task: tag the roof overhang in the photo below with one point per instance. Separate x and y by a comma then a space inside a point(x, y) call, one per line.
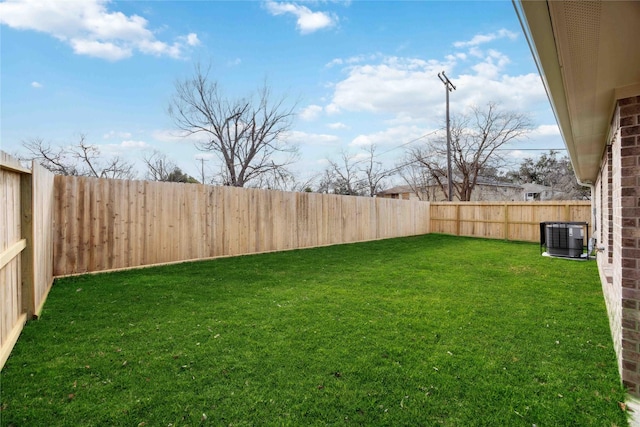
point(588, 57)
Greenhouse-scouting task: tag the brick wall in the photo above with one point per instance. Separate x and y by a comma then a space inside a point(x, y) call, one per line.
point(603, 203)
point(627, 237)
point(603, 220)
point(617, 212)
point(608, 207)
point(603, 199)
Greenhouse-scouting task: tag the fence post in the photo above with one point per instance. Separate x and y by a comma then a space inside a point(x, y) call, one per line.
point(506, 221)
point(26, 262)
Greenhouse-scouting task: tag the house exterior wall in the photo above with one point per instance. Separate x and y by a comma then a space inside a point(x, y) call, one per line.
point(602, 199)
point(609, 271)
point(617, 203)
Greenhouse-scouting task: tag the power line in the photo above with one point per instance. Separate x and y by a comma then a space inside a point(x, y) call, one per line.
point(407, 143)
point(399, 146)
point(530, 149)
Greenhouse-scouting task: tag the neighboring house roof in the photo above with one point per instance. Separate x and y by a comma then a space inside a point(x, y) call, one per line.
point(588, 57)
point(535, 188)
point(493, 183)
point(398, 189)
point(523, 188)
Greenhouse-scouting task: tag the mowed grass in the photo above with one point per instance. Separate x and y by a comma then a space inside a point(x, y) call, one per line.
point(421, 331)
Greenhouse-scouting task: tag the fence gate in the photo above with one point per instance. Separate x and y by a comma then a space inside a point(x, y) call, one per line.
point(26, 201)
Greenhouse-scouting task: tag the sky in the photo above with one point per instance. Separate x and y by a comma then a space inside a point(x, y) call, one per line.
point(356, 72)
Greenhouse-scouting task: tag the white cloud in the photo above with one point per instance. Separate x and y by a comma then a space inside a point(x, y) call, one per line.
point(476, 52)
point(311, 112)
point(205, 156)
point(357, 59)
point(311, 139)
point(171, 135)
point(158, 48)
point(456, 56)
point(408, 89)
point(91, 29)
point(547, 130)
point(192, 39)
point(124, 147)
point(332, 108)
point(520, 92)
point(334, 62)
point(360, 156)
point(36, 85)
point(493, 63)
point(337, 125)
point(540, 140)
point(395, 85)
point(234, 62)
point(114, 134)
point(393, 136)
point(133, 144)
point(108, 51)
point(479, 39)
point(307, 20)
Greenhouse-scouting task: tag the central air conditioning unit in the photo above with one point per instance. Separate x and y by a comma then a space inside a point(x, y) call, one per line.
point(564, 239)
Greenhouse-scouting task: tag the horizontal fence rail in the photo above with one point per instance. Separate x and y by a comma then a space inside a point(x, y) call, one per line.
point(103, 224)
point(504, 220)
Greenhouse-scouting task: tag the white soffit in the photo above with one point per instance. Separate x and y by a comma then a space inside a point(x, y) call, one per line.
point(587, 50)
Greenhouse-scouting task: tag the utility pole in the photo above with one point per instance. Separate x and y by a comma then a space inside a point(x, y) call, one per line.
point(202, 160)
point(448, 87)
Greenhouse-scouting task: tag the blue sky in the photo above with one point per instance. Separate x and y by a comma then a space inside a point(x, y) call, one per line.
point(360, 72)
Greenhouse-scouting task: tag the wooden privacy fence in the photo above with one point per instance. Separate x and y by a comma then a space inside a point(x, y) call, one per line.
point(504, 220)
point(26, 250)
point(105, 224)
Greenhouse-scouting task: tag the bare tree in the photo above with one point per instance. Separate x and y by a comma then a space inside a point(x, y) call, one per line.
point(475, 143)
point(158, 166)
point(355, 175)
point(345, 175)
point(374, 173)
point(82, 159)
point(55, 159)
point(245, 134)
point(418, 179)
point(278, 179)
point(326, 181)
point(285, 181)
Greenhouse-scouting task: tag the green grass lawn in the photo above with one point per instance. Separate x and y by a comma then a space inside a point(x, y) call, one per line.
point(421, 331)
